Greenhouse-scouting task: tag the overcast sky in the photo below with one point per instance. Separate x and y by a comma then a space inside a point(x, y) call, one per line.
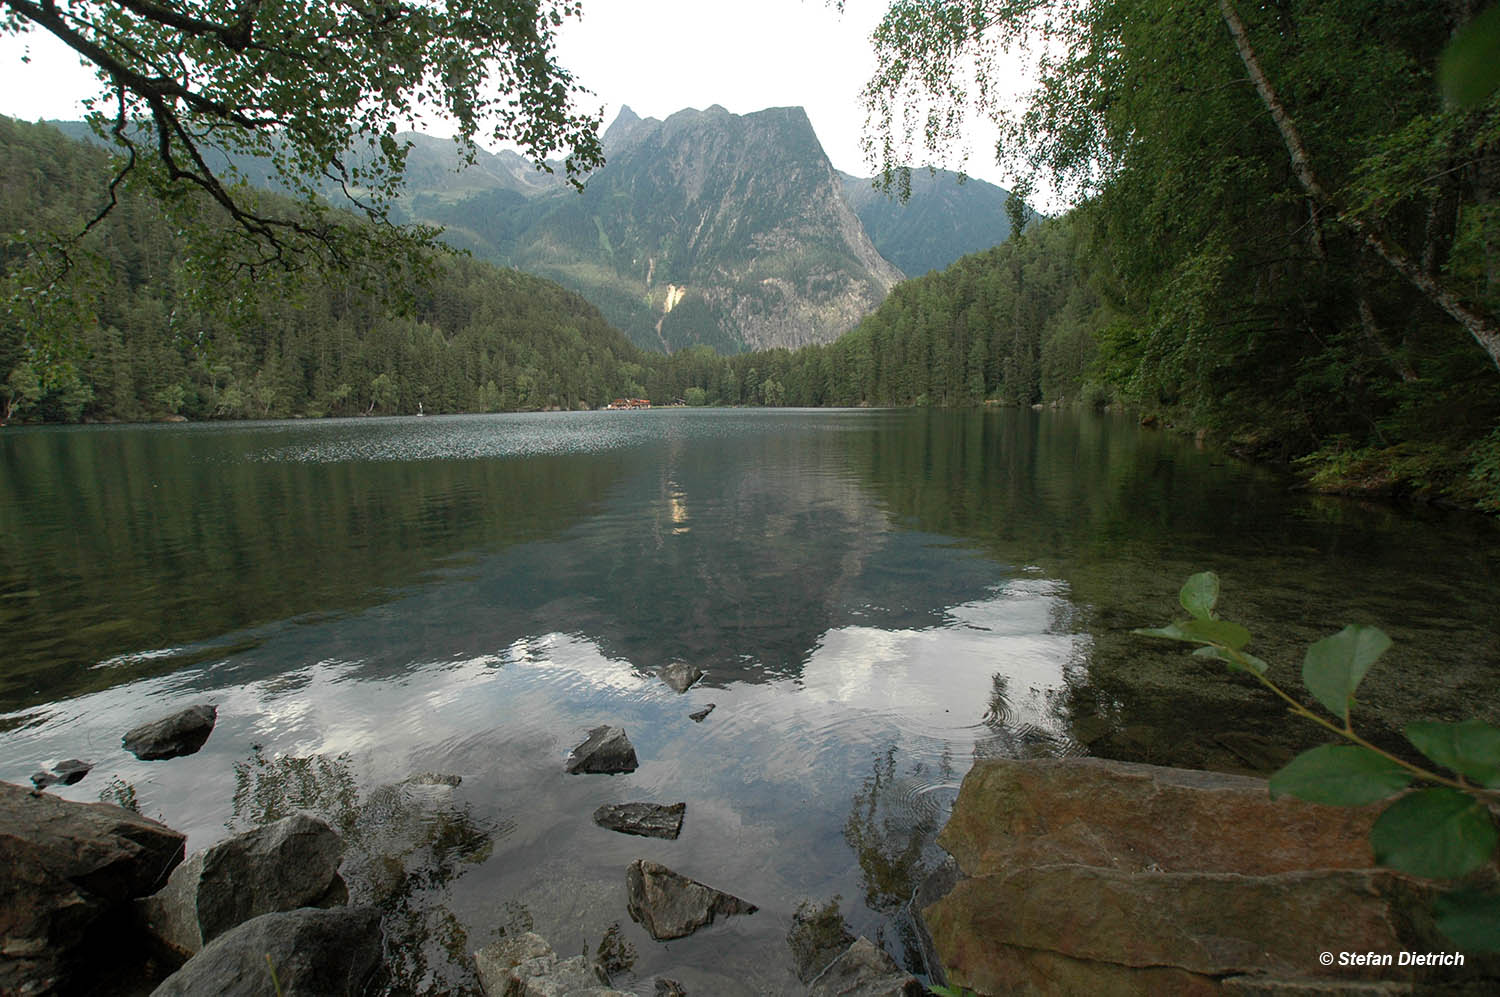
point(657, 56)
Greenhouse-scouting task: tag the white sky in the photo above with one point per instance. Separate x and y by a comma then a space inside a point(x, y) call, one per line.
point(657, 56)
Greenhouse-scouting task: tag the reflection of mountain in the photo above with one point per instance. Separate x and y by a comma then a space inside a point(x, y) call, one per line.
point(123, 546)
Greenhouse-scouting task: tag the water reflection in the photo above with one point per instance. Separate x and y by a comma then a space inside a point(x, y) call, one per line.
point(406, 844)
point(877, 598)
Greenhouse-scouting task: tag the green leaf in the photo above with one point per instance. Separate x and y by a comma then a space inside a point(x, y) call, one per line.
point(1437, 833)
point(1470, 919)
point(1341, 775)
point(1468, 70)
point(1169, 632)
point(1472, 748)
point(1239, 660)
point(1334, 666)
point(1231, 635)
point(1199, 594)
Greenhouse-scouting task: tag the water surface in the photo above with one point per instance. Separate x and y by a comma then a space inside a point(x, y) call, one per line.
point(877, 597)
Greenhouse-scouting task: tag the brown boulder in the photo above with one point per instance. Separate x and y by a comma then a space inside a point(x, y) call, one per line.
point(70, 871)
point(1085, 875)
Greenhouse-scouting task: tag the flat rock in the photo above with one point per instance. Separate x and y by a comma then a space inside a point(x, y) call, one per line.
point(525, 965)
point(697, 716)
point(282, 866)
point(649, 820)
point(669, 905)
point(606, 750)
point(1093, 876)
point(70, 871)
point(865, 970)
point(67, 773)
point(316, 953)
point(817, 937)
point(680, 675)
point(182, 733)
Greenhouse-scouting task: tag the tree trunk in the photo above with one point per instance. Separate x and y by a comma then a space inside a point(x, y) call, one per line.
point(1483, 328)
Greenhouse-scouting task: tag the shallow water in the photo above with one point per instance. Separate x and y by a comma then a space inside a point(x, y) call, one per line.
point(877, 597)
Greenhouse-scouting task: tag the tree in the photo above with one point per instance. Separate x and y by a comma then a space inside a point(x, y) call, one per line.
point(318, 89)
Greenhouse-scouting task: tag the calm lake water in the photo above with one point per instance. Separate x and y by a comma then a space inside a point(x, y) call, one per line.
point(877, 597)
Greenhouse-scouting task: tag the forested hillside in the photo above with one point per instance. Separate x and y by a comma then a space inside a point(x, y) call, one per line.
point(149, 344)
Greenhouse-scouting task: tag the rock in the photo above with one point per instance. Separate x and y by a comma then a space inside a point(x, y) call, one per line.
point(70, 871)
point(525, 966)
point(182, 733)
point(649, 820)
point(669, 988)
point(432, 779)
point(607, 750)
point(67, 773)
point(680, 675)
point(865, 970)
point(669, 905)
point(315, 953)
point(282, 866)
point(817, 937)
point(697, 715)
point(1084, 875)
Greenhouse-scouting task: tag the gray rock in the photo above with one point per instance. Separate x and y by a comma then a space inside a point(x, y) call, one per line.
point(680, 675)
point(865, 970)
point(69, 869)
point(697, 715)
point(315, 953)
point(669, 905)
point(182, 733)
point(607, 750)
point(282, 866)
point(669, 988)
point(67, 773)
point(817, 937)
point(525, 966)
point(649, 820)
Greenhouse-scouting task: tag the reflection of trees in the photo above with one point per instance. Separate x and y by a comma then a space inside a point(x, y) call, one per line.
point(892, 828)
point(406, 843)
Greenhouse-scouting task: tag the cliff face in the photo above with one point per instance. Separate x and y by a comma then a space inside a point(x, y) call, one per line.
point(708, 227)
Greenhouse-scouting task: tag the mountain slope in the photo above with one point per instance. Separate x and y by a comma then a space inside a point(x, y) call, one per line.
point(708, 227)
point(943, 219)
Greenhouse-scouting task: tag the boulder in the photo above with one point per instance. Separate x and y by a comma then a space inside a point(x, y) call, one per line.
point(649, 820)
point(282, 866)
point(313, 952)
point(669, 905)
point(1085, 875)
point(70, 871)
point(865, 970)
point(697, 716)
point(67, 773)
point(817, 937)
point(680, 675)
point(606, 750)
point(526, 966)
point(182, 733)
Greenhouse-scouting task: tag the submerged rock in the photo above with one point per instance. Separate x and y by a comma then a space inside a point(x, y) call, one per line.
point(67, 773)
point(669, 905)
point(282, 866)
point(70, 871)
point(606, 750)
point(182, 733)
point(314, 953)
point(1084, 875)
point(817, 937)
point(697, 715)
point(667, 987)
point(649, 820)
point(526, 966)
point(680, 675)
point(865, 970)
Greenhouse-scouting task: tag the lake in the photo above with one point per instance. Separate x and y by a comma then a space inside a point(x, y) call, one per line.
point(876, 596)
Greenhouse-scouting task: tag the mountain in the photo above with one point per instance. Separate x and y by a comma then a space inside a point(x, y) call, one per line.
point(706, 228)
point(945, 218)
